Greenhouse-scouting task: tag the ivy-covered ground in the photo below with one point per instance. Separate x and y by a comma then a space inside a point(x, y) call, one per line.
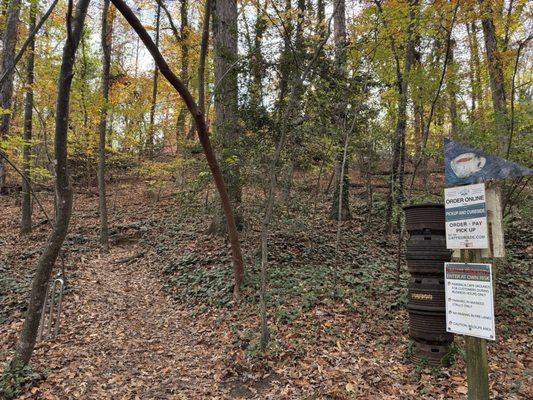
point(154, 318)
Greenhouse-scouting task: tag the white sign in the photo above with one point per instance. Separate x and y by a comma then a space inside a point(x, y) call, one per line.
point(466, 217)
point(469, 301)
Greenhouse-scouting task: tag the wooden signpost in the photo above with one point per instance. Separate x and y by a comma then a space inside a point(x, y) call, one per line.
point(477, 365)
point(474, 230)
point(468, 233)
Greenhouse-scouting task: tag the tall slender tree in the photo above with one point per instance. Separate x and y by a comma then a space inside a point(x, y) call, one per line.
point(106, 42)
point(155, 78)
point(6, 86)
point(496, 77)
point(257, 64)
point(341, 162)
point(227, 128)
point(451, 88)
point(28, 125)
point(286, 57)
point(184, 50)
point(476, 91)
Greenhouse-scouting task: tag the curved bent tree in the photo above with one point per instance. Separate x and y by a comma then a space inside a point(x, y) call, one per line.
point(203, 136)
point(47, 260)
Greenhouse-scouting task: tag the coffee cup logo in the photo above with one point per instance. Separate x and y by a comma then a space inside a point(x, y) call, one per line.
point(467, 164)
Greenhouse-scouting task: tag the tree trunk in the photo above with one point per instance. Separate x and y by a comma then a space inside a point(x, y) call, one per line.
point(184, 47)
point(84, 91)
point(496, 78)
point(451, 86)
point(475, 70)
point(204, 49)
point(257, 67)
point(47, 260)
point(226, 123)
point(323, 66)
point(339, 30)
point(28, 116)
point(151, 127)
point(418, 101)
point(6, 87)
point(285, 59)
point(106, 40)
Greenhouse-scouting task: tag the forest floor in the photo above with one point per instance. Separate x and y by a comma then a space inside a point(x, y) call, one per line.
point(154, 318)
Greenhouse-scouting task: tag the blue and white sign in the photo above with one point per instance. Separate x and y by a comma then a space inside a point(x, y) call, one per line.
point(466, 165)
point(466, 217)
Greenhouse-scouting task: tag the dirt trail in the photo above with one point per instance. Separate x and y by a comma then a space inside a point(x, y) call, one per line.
point(123, 338)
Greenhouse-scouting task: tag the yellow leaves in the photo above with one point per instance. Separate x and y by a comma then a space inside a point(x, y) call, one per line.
point(232, 160)
point(4, 111)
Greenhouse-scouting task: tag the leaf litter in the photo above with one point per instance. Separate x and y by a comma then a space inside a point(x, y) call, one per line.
point(154, 318)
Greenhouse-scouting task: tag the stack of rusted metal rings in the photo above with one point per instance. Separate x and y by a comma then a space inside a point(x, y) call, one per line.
point(426, 255)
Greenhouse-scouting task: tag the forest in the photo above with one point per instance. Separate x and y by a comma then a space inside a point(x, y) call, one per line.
point(213, 199)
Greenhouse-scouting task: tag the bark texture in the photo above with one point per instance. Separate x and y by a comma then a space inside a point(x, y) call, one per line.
point(257, 60)
point(475, 69)
point(451, 86)
point(285, 57)
point(341, 162)
point(226, 106)
point(6, 87)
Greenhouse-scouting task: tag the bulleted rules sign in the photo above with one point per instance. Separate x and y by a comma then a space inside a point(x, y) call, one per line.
point(469, 301)
point(466, 217)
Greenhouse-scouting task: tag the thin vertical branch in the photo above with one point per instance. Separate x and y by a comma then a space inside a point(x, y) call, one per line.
point(521, 45)
point(204, 49)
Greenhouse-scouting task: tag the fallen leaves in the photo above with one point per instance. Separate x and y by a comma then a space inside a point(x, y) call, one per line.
point(461, 389)
point(126, 334)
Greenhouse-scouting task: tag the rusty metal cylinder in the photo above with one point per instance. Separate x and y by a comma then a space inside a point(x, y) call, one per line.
point(425, 218)
point(425, 267)
point(426, 293)
point(429, 326)
point(433, 353)
point(426, 254)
